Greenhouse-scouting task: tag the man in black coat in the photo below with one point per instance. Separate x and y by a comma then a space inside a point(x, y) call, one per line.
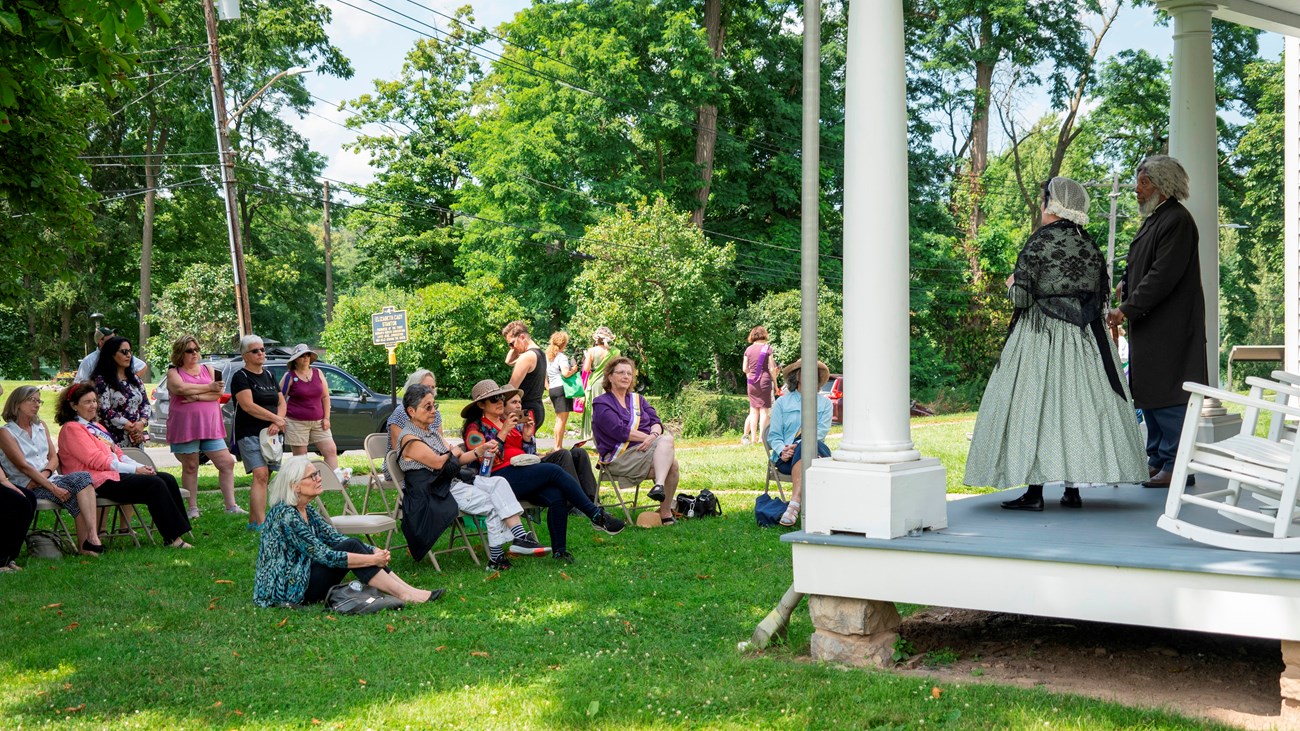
point(1162, 298)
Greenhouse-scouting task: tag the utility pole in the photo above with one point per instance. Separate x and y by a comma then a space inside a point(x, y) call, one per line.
point(227, 164)
point(329, 261)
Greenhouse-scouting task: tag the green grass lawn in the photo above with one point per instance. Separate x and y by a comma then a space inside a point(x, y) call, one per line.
point(640, 633)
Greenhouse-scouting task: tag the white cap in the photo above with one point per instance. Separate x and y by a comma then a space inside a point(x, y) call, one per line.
point(1067, 199)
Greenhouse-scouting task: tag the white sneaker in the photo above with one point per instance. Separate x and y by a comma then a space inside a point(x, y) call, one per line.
point(744, 441)
point(194, 513)
point(236, 510)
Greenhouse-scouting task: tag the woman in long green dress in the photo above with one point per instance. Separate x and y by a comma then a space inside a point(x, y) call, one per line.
point(1057, 408)
point(601, 352)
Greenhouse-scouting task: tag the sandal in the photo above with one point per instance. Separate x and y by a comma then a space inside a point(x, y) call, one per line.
point(656, 493)
point(791, 515)
point(667, 520)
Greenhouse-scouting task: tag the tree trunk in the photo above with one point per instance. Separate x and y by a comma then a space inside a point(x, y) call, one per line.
point(31, 330)
point(706, 119)
point(152, 171)
point(979, 152)
point(65, 334)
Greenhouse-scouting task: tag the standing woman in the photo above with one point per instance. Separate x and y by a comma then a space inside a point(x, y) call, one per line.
point(29, 459)
point(760, 375)
point(594, 360)
point(194, 423)
point(559, 367)
point(1056, 407)
point(85, 446)
point(307, 407)
point(124, 405)
point(529, 362)
point(258, 405)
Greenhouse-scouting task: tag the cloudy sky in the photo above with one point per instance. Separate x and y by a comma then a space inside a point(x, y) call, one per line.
point(377, 48)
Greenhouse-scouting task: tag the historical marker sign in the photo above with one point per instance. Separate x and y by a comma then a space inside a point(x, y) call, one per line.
point(388, 328)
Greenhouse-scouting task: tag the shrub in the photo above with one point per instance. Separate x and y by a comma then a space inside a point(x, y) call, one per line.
point(704, 413)
point(454, 330)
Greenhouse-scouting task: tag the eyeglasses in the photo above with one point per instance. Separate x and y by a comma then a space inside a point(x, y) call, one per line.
point(255, 350)
point(36, 400)
point(313, 476)
point(192, 351)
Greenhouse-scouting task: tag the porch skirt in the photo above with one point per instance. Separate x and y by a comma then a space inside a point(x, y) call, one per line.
point(1049, 413)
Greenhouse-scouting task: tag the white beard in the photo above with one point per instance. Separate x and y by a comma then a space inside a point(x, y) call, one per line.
point(1152, 203)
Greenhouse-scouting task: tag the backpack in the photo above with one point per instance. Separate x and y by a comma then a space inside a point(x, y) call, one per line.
point(357, 598)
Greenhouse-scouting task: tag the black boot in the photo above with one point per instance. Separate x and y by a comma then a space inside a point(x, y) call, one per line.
point(1032, 500)
point(1071, 498)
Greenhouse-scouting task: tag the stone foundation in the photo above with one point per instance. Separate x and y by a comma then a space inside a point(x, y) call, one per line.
point(859, 632)
point(1290, 684)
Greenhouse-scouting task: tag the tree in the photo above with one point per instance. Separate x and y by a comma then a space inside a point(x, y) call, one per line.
point(660, 286)
point(197, 304)
point(780, 313)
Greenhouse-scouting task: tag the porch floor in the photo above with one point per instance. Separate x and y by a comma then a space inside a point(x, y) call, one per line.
point(1105, 562)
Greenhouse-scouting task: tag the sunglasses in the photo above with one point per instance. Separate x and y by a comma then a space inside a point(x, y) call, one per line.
point(495, 399)
point(124, 351)
point(255, 350)
point(192, 351)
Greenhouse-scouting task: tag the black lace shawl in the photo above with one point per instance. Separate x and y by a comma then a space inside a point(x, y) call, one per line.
point(1061, 270)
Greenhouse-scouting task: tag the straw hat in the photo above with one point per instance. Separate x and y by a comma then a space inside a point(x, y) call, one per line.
point(823, 372)
point(483, 390)
point(300, 350)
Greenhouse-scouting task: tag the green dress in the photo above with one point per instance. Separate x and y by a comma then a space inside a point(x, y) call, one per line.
point(595, 387)
point(1053, 411)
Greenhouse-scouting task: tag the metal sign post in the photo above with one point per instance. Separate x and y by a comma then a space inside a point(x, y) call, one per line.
point(388, 328)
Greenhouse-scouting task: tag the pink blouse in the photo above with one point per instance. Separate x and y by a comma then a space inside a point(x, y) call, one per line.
point(188, 420)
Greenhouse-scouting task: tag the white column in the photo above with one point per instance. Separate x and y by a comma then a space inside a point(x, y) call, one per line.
point(876, 480)
point(1291, 163)
point(1194, 141)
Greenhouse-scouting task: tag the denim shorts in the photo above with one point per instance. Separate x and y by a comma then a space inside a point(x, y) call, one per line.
point(194, 446)
point(250, 452)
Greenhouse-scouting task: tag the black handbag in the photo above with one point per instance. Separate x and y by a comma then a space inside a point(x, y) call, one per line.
point(707, 505)
point(355, 597)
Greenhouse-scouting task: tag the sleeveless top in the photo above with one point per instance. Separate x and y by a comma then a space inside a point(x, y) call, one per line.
point(430, 438)
point(303, 401)
point(189, 420)
point(534, 383)
point(35, 449)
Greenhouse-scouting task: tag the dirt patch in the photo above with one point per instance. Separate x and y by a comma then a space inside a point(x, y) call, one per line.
point(1228, 679)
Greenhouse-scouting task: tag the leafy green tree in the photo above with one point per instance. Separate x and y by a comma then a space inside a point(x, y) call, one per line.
point(780, 313)
point(455, 331)
point(660, 286)
point(198, 304)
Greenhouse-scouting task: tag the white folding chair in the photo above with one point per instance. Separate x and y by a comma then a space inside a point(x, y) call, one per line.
point(773, 474)
point(376, 446)
point(43, 505)
point(1263, 475)
point(456, 531)
point(350, 522)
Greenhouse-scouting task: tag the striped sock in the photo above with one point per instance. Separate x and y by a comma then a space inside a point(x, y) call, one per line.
point(518, 530)
point(495, 553)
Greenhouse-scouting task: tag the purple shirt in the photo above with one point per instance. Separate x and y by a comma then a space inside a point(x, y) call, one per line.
point(304, 397)
point(611, 421)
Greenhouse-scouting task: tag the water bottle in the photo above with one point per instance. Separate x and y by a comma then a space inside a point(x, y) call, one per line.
point(485, 466)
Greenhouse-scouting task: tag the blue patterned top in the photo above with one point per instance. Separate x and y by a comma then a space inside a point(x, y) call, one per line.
point(289, 547)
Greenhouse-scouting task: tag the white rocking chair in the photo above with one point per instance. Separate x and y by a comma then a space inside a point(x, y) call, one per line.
point(1264, 471)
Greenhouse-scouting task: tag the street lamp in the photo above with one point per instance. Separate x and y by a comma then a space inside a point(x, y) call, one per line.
point(295, 71)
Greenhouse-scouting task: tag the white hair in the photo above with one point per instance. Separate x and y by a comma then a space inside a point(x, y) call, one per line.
point(247, 341)
point(419, 375)
point(1167, 175)
point(290, 474)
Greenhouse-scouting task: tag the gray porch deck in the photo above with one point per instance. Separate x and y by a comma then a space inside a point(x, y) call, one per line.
point(1105, 562)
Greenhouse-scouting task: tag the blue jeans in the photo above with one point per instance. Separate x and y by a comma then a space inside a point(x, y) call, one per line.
point(786, 468)
point(1164, 427)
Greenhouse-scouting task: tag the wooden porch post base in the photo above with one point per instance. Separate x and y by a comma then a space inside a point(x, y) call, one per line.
point(859, 632)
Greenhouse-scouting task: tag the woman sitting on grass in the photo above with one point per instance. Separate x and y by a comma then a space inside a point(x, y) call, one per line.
point(302, 555)
point(423, 448)
point(631, 440)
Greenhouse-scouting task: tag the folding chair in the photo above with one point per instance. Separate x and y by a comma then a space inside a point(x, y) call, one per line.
point(1263, 475)
point(350, 522)
point(55, 509)
point(141, 456)
point(773, 474)
point(603, 477)
point(376, 449)
point(119, 522)
point(457, 528)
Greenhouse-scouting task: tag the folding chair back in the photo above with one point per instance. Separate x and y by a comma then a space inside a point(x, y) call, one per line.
point(376, 450)
point(350, 521)
point(1263, 475)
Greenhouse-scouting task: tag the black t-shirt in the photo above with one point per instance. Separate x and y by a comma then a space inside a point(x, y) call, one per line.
point(265, 394)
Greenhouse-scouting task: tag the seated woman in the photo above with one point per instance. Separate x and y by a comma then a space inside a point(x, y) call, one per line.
point(29, 459)
point(783, 436)
point(631, 440)
point(17, 506)
point(398, 419)
point(423, 448)
point(486, 420)
point(86, 446)
point(302, 556)
point(124, 405)
point(573, 460)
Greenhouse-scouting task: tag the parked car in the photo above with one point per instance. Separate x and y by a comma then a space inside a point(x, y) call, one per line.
point(833, 390)
point(355, 410)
